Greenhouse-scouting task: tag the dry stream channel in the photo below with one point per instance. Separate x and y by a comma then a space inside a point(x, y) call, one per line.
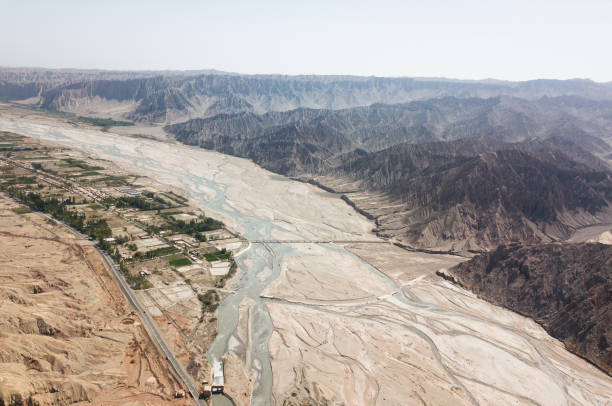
point(324, 321)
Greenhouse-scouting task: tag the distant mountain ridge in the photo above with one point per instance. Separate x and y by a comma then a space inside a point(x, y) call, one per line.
point(174, 96)
point(309, 140)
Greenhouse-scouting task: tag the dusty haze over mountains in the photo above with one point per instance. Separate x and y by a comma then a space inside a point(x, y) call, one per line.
point(472, 39)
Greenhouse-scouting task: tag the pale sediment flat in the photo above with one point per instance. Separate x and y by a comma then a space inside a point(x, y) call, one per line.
point(603, 238)
point(369, 325)
point(429, 343)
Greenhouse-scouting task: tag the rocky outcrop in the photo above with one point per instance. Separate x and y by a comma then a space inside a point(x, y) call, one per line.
point(567, 288)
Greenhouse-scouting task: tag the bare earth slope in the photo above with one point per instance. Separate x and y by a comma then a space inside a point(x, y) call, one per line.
point(565, 287)
point(67, 333)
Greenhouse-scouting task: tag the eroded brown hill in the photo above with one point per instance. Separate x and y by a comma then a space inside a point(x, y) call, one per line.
point(567, 288)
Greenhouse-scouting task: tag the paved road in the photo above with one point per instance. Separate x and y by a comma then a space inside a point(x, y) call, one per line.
point(152, 330)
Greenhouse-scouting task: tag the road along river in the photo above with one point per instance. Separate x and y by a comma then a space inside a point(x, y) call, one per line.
point(367, 324)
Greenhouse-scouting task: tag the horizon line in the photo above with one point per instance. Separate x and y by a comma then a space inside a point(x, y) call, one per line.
point(214, 71)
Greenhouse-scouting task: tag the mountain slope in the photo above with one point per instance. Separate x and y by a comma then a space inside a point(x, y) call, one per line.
point(380, 126)
point(473, 194)
point(448, 173)
point(567, 288)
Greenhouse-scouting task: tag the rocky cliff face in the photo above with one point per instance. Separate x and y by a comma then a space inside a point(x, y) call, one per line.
point(567, 288)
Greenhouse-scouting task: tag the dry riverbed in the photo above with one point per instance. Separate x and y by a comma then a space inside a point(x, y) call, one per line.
point(366, 324)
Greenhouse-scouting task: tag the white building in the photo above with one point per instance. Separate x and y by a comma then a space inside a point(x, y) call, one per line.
point(217, 377)
point(220, 268)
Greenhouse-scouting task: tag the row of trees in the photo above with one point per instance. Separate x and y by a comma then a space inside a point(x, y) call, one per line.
point(97, 228)
point(135, 281)
point(193, 228)
point(52, 206)
point(155, 253)
point(136, 202)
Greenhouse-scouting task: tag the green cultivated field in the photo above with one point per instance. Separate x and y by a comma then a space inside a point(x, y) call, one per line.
point(179, 260)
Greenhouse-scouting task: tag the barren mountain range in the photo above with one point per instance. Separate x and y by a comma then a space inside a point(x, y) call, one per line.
point(310, 139)
point(474, 194)
point(173, 96)
point(448, 173)
point(451, 165)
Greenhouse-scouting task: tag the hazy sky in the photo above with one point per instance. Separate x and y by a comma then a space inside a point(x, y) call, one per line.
point(514, 40)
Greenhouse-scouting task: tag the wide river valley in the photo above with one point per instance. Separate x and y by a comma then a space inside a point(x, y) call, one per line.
point(353, 324)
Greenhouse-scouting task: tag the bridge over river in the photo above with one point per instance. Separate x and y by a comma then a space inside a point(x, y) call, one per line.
point(319, 242)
